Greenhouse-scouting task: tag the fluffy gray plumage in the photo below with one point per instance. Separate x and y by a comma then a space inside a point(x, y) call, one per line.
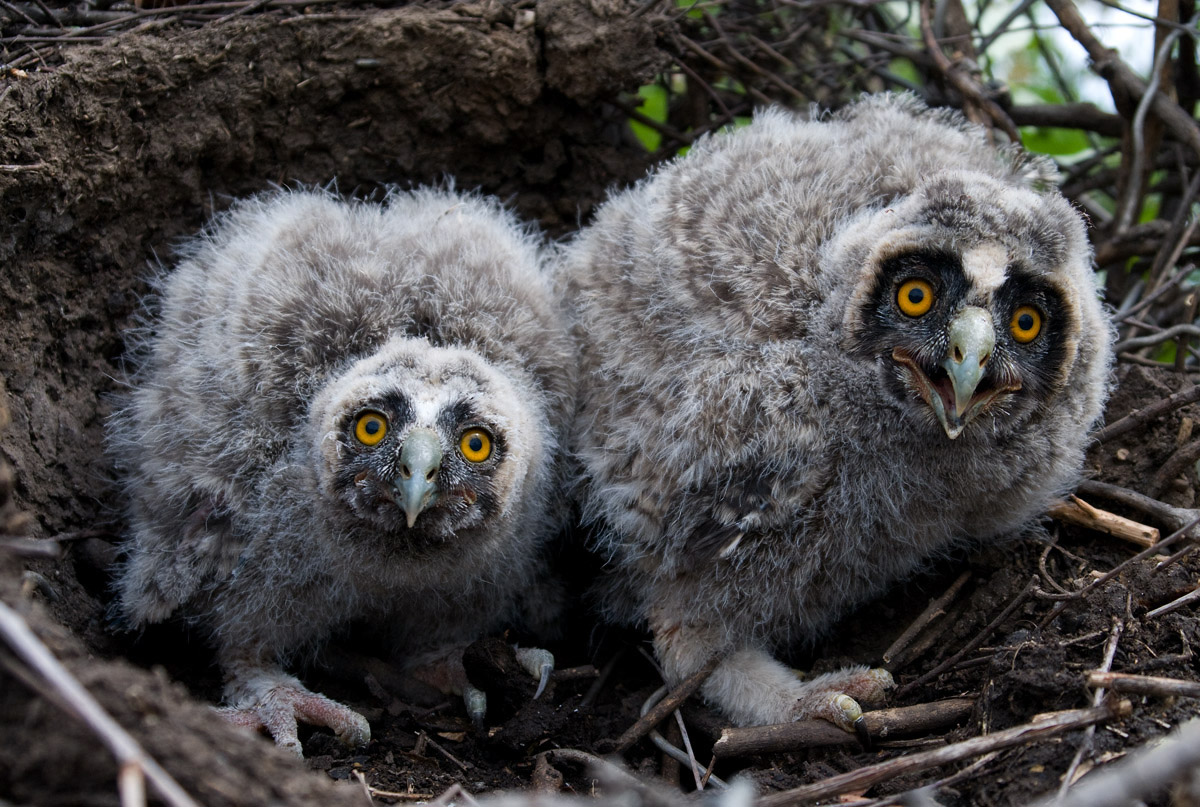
point(308, 351)
point(769, 438)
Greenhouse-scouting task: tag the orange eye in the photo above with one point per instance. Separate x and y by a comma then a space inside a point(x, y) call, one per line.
point(1026, 324)
point(475, 445)
point(370, 428)
point(915, 297)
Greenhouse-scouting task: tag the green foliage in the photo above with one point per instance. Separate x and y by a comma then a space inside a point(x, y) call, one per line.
point(1054, 141)
point(654, 106)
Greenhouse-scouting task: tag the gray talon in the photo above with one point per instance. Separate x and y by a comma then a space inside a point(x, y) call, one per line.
point(476, 702)
point(539, 663)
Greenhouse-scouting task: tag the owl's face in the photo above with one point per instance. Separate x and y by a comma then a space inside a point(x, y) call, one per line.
point(968, 304)
point(420, 443)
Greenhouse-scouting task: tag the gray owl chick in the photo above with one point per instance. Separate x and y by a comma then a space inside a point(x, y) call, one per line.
point(345, 411)
point(817, 353)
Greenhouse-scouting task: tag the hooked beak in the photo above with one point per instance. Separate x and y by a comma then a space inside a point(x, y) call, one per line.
point(957, 400)
point(420, 460)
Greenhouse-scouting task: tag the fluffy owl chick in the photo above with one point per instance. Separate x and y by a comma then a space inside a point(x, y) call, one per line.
point(817, 353)
point(345, 411)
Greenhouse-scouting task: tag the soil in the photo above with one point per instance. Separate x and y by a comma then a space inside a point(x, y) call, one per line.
point(114, 151)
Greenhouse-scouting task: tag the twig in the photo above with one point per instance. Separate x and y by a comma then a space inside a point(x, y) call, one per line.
point(1140, 417)
point(453, 792)
point(589, 697)
point(1051, 725)
point(1190, 597)
point(881, 724)
point(437, 747)
point(1145, 772)
point(664, 745)
point(126, 749)
point(1144, 684)
point(1085, 746)
point(30, 547)
point(969, 89)
point(1107, 63)
point(1183, 457)
point(362, 780)
point(1168, 516)
point(664, 707)
point(932, 611)
point(974, 643)
point(1139, 342)
point(1120, 567)
point(595, 763)
point(1078, 512)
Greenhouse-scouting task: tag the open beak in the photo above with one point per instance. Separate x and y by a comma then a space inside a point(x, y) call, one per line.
point(957, 399)
point(416, 488)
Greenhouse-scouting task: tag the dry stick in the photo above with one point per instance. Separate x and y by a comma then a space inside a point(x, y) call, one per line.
point(667, 747)
point(595, 763)
point(453, 792)
point(664, 707)
point(1078, 512)
point(1085, 747)
point(1168, 516)
point(126, 749)
point(1183, 457)
point(974, 643)
point(691, 755)
point(880, 724)
point(932, 611)
point(1108, 65)
point(1166, 335)
point(1114, 571)
point(1051, 725)
point(1139, 775)
point(1140, 417)
point(946, 781)
point(1132, 194)
point(438, 747)
point(1183, 225)
point(1191, 596)
point(1086, 116)
point(1144, 684)
point(589, 697)
point(966, 86)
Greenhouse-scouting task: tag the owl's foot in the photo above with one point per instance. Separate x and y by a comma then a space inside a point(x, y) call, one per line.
point(836, 696)
point(752, 688)
point(278, 703)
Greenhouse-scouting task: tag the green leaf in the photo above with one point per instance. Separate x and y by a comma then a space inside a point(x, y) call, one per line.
point(1053, 140)
point(654, 106)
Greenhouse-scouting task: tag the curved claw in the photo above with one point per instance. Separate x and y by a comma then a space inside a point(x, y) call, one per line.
point(539, 663)
point(475, 700)
point(860, 731)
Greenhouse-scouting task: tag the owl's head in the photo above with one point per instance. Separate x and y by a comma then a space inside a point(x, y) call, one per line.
point(977, 297)
point(421, 443)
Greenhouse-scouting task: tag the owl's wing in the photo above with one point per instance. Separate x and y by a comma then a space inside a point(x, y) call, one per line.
point(734, 506)
point(174, 558)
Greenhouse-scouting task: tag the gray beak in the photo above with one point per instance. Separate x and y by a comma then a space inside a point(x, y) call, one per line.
point(972, 338)
point(420, 460)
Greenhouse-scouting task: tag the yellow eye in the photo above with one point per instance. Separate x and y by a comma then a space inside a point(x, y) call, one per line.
point(1026, 324)
point(370, 428)
point(475, 445)
point(915, 297)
